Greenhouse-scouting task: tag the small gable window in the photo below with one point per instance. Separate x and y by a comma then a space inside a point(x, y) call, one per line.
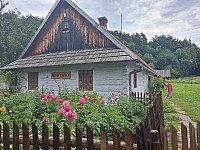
point(135, 80)
point(85, 80)
point(32, 80)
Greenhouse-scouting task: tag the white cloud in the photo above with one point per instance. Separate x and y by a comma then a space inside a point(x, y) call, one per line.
point(179, 18)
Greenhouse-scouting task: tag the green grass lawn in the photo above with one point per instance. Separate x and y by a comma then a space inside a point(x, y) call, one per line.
point(186, 96)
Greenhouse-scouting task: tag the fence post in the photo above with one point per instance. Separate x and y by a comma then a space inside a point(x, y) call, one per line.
point(154, 140)
point(15, 136)
point(103, 138)
point(198, 135)
point(6, 136)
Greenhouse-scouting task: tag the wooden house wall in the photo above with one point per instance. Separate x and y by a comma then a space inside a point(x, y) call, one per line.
point(82, 34)
point(142, 77)
point(107, 77)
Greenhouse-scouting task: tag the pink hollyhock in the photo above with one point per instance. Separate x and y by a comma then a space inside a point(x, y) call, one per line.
point(82, 100)
point(66, 102)
point(90, 98)
point(0, 94)
point(54, 96)
point(84, 95)
point(71, 115)
point(102, 100)
point(45, 120)
point(113, 94)
point(4, 91)
point(61, 111)
point(116, 98)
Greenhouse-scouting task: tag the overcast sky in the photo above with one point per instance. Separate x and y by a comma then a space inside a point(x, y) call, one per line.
point(179, 18)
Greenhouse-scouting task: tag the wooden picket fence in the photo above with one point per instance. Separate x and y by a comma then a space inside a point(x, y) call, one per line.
point(150, 135)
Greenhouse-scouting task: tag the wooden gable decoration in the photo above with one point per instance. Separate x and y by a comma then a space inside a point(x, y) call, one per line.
point(66, 29)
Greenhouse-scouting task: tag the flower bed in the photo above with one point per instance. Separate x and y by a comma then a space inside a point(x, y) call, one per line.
point(73, 107)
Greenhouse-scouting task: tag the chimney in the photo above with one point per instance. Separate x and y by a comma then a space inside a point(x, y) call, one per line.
point(103, 22)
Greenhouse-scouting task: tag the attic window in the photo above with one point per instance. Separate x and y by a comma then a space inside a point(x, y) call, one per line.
point(65, 23)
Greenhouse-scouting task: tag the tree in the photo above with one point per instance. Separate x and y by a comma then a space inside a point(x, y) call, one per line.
point(15, 33)
point(3, 4)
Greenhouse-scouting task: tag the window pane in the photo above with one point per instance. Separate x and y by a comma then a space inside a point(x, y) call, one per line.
point(86, 80)
point(32, 80)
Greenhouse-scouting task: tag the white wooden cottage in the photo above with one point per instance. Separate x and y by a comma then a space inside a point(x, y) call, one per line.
point(70, 48)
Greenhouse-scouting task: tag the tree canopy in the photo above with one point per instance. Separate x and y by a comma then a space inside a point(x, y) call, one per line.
point(182, 57)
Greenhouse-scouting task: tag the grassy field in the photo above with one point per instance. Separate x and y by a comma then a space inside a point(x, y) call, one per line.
point(187, 96)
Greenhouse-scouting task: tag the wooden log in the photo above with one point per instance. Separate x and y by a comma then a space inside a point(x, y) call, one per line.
point(15, 136)
point(184, 137)
point(174, 141)
point(116, 139)
point(35, 137)
point(56, 136)
point(192, 137)
point(154, 140)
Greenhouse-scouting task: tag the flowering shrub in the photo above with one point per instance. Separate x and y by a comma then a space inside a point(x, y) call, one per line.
point(74, 107)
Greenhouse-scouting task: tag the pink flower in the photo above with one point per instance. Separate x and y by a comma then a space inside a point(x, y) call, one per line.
point(60, 101)
point(102, 100)
point(71, 115)
point(0, 94)
point(66, 102)
point(61, 111)
point(44, 100)
point(113, 94)
point(84, 95)
point(116, 98)
point(54, 96)
point(45, 120)
point(90, 98)
point(67, 108)
point(43, 95)
point(49, 95)
point(4, 91)
point(82, 100)
point(146, 97)
point(131, 92)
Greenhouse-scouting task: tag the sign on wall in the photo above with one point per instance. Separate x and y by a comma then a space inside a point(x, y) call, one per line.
point(61, 75)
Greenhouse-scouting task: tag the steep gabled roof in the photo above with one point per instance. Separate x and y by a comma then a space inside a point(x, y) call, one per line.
point(100, 29)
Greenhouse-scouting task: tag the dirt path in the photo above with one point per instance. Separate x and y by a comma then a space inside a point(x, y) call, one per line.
point(185, 119)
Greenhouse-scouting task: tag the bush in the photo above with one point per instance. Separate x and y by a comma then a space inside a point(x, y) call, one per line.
point(73, 107)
